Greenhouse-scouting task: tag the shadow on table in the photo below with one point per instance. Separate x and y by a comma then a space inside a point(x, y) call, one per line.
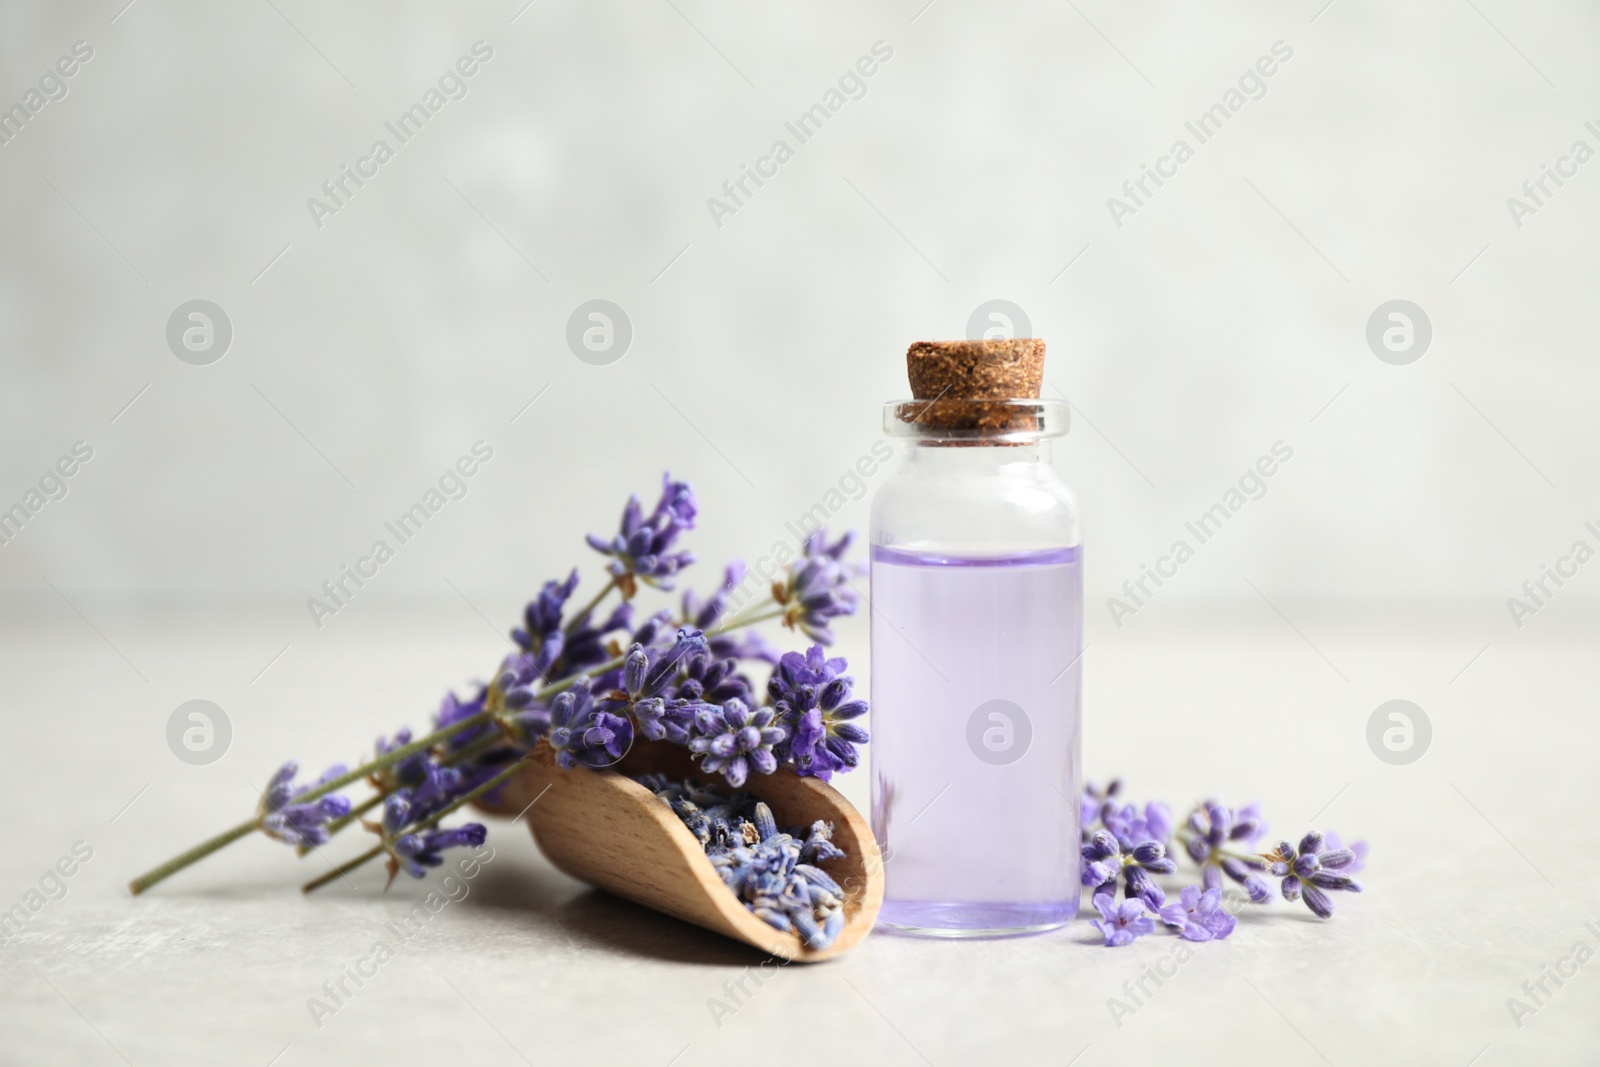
point(541, 896)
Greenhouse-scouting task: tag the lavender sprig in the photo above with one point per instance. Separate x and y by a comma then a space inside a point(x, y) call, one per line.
point(572, 687)
point(1310, 872)
point(1127, 846)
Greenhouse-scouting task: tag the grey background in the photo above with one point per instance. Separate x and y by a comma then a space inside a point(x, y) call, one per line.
point(1227, 314)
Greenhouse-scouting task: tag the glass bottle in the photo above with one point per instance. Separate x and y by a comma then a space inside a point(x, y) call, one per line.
point(977, 634)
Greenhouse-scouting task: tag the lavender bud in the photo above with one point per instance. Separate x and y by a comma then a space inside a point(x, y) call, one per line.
point(1318, 902)
point(1149, 852)
point(1330, 880)
point(1337, 858)
point(1104, 845)
point(766, 825)
point(633, 671)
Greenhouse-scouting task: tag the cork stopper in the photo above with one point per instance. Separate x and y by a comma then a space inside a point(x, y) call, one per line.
point(950, 375)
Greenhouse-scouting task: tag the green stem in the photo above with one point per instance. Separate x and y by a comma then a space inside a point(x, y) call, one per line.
point(426, 824)
point(343, 869)
point(194, 855)
point(737, 623)
point(588, 609)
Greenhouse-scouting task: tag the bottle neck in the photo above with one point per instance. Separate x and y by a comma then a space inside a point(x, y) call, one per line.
point(975, 458)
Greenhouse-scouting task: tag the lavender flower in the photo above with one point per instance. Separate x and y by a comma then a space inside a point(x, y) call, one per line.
point(583, 734)
point(408, 771)
point(1121, 923)
point(816, 588)
point(416, 851)
point(648, 673)
point(662, 720)
point(643, 689)
point(1212, 828)
point(299, 824)
point(452, 711)
point(586, 640)
point(558, 649)
point(713, 680)
point(1311, 871)
point(1131, 825)
point(813, 705)
point(1200, 916)
point(1251, 813)
point(641, 551)
point(541, 633)
point(1105, 861)
point(1334, 843)
point(734, 740)
point(1095, 803)
point(420, 851)
point(438, 788)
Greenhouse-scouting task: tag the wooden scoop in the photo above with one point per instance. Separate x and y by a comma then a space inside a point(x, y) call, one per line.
point(603, 828)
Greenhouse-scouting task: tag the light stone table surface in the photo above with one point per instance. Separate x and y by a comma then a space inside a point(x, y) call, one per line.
point(1482, 876)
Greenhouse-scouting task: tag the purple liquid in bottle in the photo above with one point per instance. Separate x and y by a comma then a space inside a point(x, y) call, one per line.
point(975, 747)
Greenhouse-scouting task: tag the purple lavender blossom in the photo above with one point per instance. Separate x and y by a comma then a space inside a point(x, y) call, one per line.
point(813, 703)
point(733, 740)
point(1122, 923)
point(1334, 842)
point(1251, 813)
point(558, 649)
point(660, 719)
point(305, 825)
point(415, 852)
point(648, 673)
point(541, 633)
point(817, 587)
point(1199, 916)
point(1312, 871)
point(452, 711)
point(586, 640)
point(1132, 826)
point(583, 734)
point(1213, 828)
point(1105, 861)
point(408, 771)
point(1095, 802)
point(641, 551)
point(644, 689)
point(713, 680)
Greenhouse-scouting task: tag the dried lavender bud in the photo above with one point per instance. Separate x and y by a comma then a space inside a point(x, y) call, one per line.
point(764, 865)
